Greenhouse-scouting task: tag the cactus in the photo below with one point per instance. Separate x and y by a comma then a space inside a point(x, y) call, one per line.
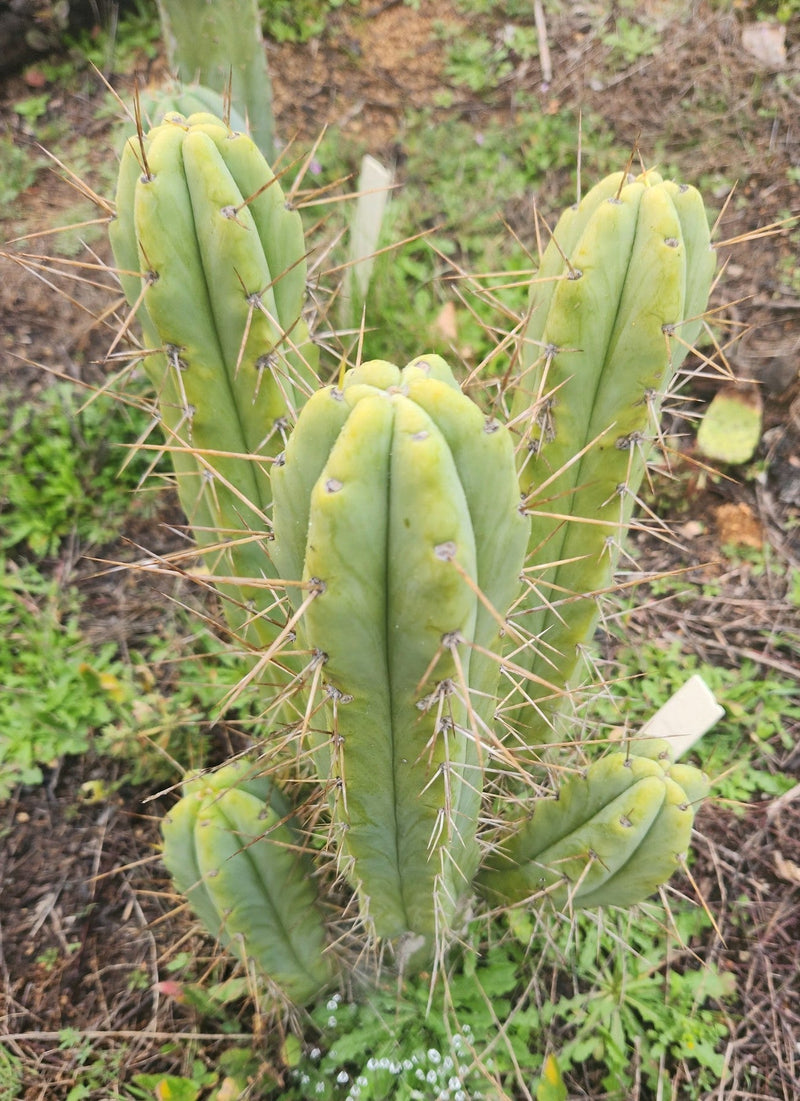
point(218, 43)
point(174, 98)
point(611, 837)
point(213, 261)
point(389, 529)
point(397, 504)
point(234, 851)
point(616, 304)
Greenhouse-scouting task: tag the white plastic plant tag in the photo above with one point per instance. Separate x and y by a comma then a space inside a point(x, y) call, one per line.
point(685, 717)
point(374, 187)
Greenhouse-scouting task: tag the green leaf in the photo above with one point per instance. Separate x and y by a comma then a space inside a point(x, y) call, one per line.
point(731, 428)
point(551, 1085)
point(167, 1087)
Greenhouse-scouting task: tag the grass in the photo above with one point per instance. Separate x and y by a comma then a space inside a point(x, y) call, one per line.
point(18, 170)
point(51, 704)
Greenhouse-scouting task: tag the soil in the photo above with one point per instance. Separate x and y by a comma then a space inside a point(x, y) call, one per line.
point(86, 918)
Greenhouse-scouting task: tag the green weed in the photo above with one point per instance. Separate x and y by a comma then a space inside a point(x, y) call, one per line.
point(60, 469)
point(94, 1068)
point(11, 1076)
point(123, 45)
point(291, 21)
point(33, 107)
point(630, 40)
point(18, 170)
point(637, 1007)
point(63, 696)
point(485, 1026)
point(476, 63)
point(173, 1086)
point(54, 695)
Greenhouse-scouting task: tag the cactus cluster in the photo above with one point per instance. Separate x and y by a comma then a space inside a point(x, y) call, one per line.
point(232, 848)
point(615, 833)
point(420, 575)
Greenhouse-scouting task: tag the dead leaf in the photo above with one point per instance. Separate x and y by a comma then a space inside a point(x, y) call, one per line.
point(766, 42)
point(446, 323)
point(787, 869)
point(738, 525)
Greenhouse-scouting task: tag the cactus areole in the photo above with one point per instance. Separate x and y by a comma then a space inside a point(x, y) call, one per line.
point(397, 505)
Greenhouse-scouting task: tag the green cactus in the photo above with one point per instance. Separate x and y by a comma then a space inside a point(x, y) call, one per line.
point(213, 262)
point(234, 851)
point(611, 837)
point(174, 98)
point(616, 304)
point(218, 43)
point(397, 505)
point(389, 529)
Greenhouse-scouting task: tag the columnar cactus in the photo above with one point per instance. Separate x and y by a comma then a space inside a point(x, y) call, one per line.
point(612, 836)
point(397, 505)
point(234, 851)
point(376, 552)
point(213, 263)
point(219, 44)
point(616, 304)
point(174, 98)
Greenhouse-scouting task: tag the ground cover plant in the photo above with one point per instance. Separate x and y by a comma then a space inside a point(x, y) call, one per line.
point(629, 1047)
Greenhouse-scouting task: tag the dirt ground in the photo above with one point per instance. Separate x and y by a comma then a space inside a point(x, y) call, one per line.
point(88, 874)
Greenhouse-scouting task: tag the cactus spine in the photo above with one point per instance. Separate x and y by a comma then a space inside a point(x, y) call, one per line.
point(617, 303)
point(214, 263)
